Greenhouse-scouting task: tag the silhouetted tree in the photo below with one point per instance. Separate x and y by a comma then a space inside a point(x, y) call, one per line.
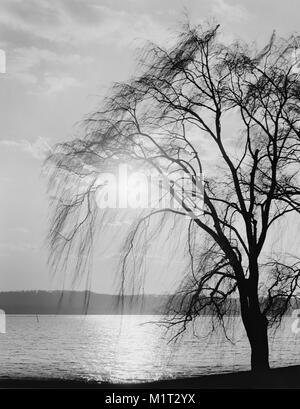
point(200, 107)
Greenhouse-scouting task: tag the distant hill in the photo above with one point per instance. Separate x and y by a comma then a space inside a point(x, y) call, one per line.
point(79, 302)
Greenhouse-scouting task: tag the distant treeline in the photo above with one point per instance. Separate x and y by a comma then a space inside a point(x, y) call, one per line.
point(86, 302)
point(79, 302)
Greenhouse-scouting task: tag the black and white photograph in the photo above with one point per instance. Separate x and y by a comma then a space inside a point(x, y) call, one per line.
point(150, 197)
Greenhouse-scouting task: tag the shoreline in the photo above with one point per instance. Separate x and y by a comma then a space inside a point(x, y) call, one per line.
point(278, 378)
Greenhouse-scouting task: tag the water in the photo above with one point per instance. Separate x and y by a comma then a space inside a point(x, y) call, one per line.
point(121, 349)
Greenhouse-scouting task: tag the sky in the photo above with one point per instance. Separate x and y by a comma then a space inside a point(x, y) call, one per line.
point(61, 58)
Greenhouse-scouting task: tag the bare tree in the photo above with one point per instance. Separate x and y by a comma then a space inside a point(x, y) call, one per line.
point(197, 98)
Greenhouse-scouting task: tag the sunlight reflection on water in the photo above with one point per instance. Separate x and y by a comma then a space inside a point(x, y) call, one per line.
point(120, 349)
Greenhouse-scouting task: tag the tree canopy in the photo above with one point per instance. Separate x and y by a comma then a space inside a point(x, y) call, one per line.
point(227, 112)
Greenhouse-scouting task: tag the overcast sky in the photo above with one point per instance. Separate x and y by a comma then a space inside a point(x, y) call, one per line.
point(62, 55)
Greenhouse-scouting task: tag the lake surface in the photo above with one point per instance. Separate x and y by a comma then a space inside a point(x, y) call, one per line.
point(125, 349)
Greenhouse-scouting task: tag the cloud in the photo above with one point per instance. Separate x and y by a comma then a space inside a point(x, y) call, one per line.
point(37, 149)
point(25, 64)
point(28, 57)
point(22, 230)
point(56, 84)
point(19, 247)
point(32, 11)
point(5, 179)
point(79, 22)
point(230, 12)
point(49, 44)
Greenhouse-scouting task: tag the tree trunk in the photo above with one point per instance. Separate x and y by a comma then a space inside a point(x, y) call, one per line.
point(256, 324)
point(257, 330)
